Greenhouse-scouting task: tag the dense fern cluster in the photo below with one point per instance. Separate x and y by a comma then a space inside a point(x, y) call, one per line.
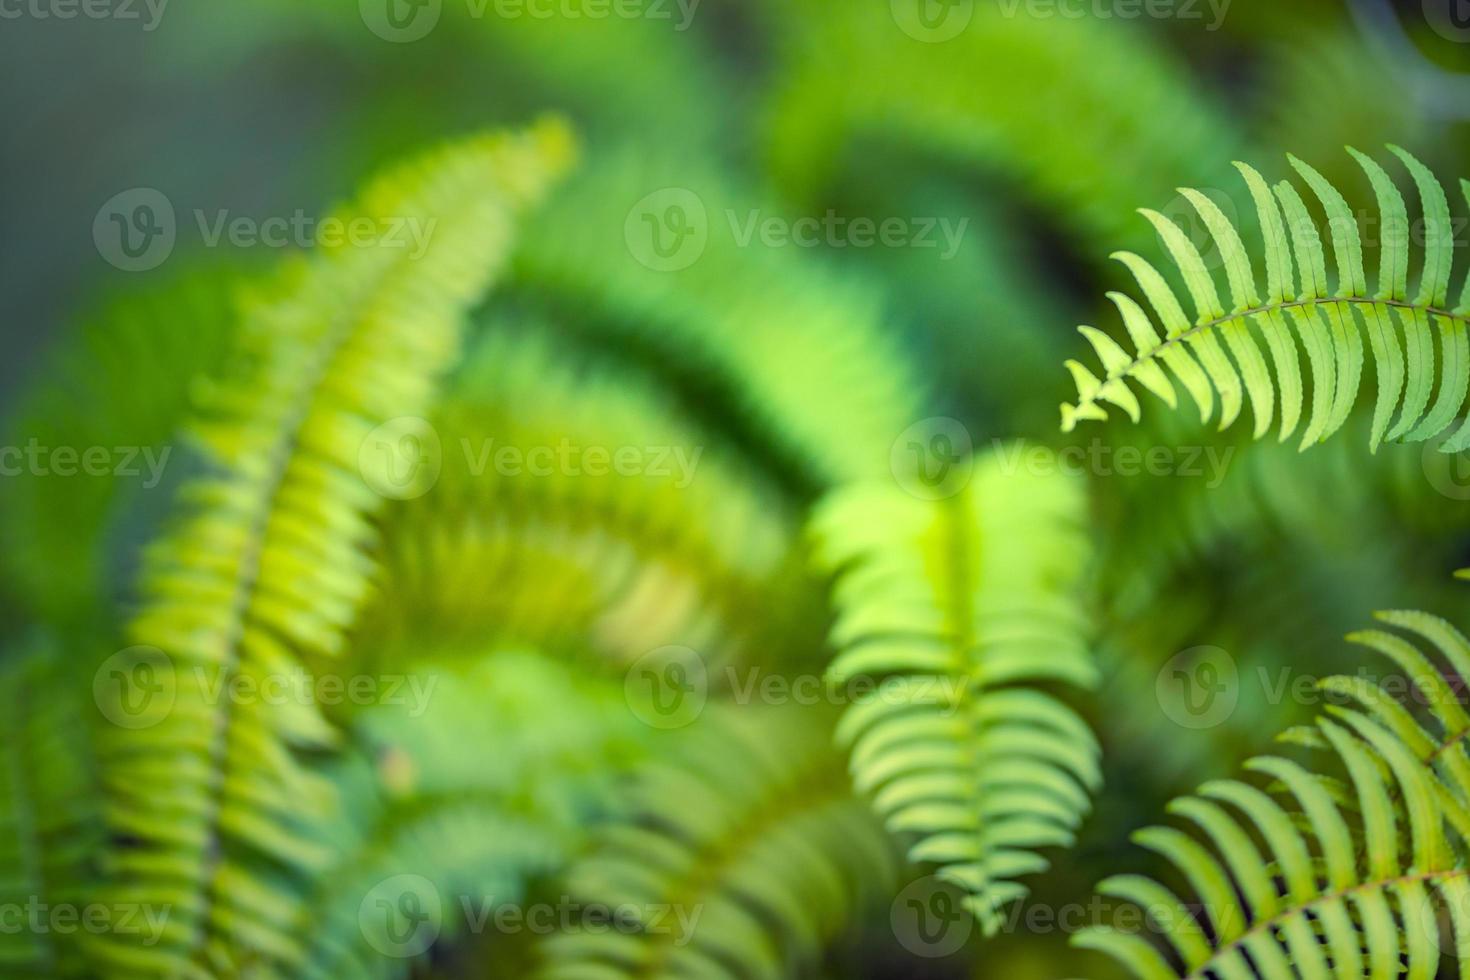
point(558, 602)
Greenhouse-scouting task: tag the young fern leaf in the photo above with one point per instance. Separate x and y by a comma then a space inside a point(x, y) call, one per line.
point(212, 813)
point(1355, 874)
point(966, 609)
point(762, 858)
point(1291, 307)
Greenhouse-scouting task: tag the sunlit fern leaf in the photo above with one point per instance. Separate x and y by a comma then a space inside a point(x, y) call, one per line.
point(211, 810)
point(1288, 309)
point(485, 777)
point(966, 610)
point(743, 855)
point(667, 535)
point(791, 360)
point(49, 821)
point(115, 394)
point(1351, 873)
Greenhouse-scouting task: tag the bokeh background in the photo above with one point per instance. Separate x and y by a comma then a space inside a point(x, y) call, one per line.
point(1034, 129)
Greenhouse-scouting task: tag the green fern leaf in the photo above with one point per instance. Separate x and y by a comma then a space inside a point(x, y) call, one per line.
point(210, 809)
point(1314, 875)
point(966, 609)
point(762, 861)
point(1287, 310)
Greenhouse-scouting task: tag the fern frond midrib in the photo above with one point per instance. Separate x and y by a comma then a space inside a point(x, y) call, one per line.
point(1267, 925)
point(1266, 308)
point(812, 788)
point(248, 576)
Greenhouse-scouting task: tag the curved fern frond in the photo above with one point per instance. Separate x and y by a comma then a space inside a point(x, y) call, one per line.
point(211, 810)
point(794, 363)
point(966, 610)
point(762, 861)
point(1288, 309)
point(1314, 875)
point(50, 826)
point(669, 539)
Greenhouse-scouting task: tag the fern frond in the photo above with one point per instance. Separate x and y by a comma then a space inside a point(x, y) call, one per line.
point(796, 364)
point(50, 826)
point(966, 610)
point(472, 829)
point(1045, 133)
point(211, 810)
point(1310, 874)
point(685, 544)
point(1288, 310)
point(760, 863)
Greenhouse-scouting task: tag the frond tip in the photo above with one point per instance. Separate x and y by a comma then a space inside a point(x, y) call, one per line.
point(965, 613)
point(1288, 308)
point(1354, 871)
